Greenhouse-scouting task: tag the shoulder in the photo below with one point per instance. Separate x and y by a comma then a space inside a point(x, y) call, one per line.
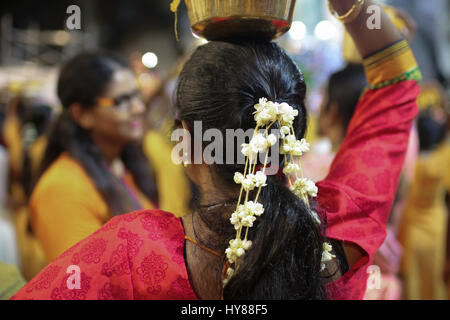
point(154, 244)
point(150, 224)
point(65, 175)
point(154, 141)
point(133, 256)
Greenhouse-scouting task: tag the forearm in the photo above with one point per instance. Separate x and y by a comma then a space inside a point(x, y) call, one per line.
point(367, 40)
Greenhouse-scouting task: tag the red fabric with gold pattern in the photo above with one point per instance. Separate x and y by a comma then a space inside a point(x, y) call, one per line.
point(358, 193)
point(133, 256)
point(140, 255)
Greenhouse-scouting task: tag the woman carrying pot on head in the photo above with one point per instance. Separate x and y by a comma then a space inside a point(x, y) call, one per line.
point(252, 237)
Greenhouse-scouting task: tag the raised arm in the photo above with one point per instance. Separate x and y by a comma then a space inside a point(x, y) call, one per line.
point(358, 193)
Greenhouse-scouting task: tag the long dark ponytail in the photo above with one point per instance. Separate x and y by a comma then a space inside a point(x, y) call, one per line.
point(83, 79)
point(219, 86)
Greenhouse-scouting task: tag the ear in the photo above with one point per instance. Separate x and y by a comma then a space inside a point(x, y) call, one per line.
point(185, 126)
point(82, 116)
point(328, 118)
point(333, 113)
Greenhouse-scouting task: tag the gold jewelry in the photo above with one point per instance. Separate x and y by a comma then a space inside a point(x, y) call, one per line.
point(203, 247)
point(351, 15)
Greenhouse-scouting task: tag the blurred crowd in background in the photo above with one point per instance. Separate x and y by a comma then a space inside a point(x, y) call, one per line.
point(414, 261)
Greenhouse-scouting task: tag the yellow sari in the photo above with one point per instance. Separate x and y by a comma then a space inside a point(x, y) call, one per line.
point(66, 206)
point(424, 227)
point(173, 186)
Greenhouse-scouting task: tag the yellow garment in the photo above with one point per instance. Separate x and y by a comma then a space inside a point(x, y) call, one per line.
point(32, 257)
point(13, 139)
point(394, 63)
point(311, 133)
point(30, 251)
point(173, 186)
point(424, 227)
point(36, 153)
point(66, 207)
point(11, 281)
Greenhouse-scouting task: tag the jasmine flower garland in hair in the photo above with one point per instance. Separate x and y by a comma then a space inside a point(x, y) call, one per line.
point(267, 114)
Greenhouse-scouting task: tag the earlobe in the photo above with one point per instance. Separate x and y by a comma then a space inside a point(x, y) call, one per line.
point(185, 125)
point(334, 112)
point(82, 116)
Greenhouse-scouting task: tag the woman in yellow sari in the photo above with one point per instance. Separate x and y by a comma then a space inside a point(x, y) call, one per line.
point(94, 167)
point(24, 131)
point(424, 225)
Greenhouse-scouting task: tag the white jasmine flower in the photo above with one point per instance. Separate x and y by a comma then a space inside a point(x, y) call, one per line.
point(248, 221)
point(255, 208)
point(238, 177)
point(235, 218)
point(240, 252)
point(288, 144)
point(290, 140)
point(260, 179)
point(272, 139)
point(309, 187)
point(300, 147)
point(303, 187)
point(286, 114)
point(246, 244)
point(327, 247)
point(326, 253)
point(249, 151)
point(285, 129)
point(230, 273)
point(285, 148)
point(266, 113)
point(231, 255)
point(262, 104)
point(248, 183)
point(291, 168)
point(259, 143)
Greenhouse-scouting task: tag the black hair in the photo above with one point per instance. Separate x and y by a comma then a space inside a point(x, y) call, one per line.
point(431, 132)
point(219, 86)
point(82, 80)
point(345, 88)
point(34, 120)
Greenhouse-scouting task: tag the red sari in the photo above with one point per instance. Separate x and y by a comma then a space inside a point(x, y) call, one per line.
point(140, 255)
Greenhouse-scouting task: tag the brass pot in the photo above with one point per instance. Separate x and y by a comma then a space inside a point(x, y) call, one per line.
point(221, 19)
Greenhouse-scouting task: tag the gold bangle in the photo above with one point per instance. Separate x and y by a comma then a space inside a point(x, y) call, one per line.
point(351, 15)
